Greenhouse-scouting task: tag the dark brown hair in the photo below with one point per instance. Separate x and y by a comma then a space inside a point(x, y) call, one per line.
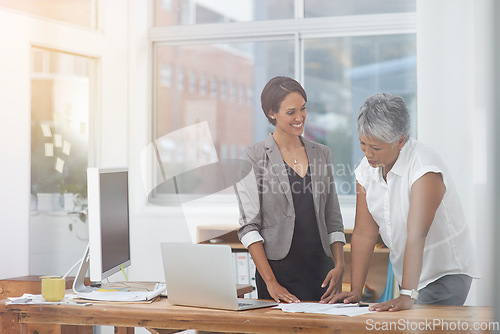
point(275, 91)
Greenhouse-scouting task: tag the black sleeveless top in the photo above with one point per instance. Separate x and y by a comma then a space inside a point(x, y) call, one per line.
point(305, 267)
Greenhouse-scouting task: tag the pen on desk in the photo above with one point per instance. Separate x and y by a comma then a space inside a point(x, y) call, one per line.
point(77, 303)
point(363, 305)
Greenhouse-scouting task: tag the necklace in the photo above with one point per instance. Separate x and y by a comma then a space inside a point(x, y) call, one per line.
point(285, 151)
point(294, 154)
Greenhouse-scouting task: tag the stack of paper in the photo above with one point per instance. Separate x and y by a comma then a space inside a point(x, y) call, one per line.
point(36, 300)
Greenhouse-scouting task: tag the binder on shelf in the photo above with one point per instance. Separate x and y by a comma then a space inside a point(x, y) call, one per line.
point(235, 266)
point(251, 269)
point(242, 267)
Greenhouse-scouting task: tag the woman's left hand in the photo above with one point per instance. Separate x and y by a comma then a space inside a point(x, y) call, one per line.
point(334, 282)
point(397, 304)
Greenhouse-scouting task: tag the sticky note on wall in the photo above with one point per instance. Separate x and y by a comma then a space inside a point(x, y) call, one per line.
point(49, 149)
point(59, 165)
point(46, 130)
point(66, 147)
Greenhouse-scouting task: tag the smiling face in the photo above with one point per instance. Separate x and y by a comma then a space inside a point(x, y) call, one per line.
point(381, 154)
point(291, 116)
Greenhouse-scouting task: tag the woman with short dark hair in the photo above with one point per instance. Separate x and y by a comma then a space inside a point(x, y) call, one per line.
point(289, 211)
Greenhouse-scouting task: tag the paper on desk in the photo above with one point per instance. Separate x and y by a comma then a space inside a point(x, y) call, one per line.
point(29, 299)
point(118, 296)
point(350, 310)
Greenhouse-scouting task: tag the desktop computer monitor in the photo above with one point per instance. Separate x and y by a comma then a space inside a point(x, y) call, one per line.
point(109, 235)
point(108, 216)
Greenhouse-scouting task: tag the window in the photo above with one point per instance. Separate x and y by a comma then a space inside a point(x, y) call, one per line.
point(231, 122)
point(339, 74)
point(165, 75)
point(180, 79)
point(189, 12)
point(340, 60)
point(192, 12)
point(321, 8)
point(193, 82)
point(213, 87)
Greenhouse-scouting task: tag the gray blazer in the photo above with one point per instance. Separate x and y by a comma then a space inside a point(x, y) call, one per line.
point(266, 206)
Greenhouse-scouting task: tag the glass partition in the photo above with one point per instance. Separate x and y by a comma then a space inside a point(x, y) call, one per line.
point(60, 89)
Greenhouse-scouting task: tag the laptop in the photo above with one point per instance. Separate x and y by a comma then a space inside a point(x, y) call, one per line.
point(203, 276)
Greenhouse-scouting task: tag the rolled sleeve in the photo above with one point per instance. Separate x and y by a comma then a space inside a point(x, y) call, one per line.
point(336, 237)
point(250, 238)
point(247, 193)
point(362, 172)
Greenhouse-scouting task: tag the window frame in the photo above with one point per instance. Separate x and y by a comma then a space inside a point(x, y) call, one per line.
point(298, 29)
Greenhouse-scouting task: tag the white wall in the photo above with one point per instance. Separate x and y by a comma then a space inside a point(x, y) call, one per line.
point(15, 146)
point(455, 111)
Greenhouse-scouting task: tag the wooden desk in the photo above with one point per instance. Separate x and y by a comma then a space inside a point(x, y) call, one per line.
point(17, 286)
point(162, 315)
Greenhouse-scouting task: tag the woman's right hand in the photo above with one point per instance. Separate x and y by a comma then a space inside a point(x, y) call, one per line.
point(279, 293)
point(276, 291)
point(343, 297)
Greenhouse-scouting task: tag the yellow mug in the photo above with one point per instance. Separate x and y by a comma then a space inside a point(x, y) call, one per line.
point(53, 288)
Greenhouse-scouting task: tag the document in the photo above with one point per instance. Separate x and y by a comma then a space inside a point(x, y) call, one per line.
point(119, 296)
point(37, 300)
point(350, 310)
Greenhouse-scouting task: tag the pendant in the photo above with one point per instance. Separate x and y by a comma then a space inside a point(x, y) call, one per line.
point(294, 161)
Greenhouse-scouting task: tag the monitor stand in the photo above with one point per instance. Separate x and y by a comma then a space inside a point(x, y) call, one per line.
point(79, 282)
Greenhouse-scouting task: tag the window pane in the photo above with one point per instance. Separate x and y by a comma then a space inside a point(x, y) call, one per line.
point(79, 12)
point(340, 73)
point(59, 156)
point(182, 12)
point(321, 8)
point(221, 86)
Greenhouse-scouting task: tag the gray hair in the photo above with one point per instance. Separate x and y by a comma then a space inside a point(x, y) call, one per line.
point(384, 117)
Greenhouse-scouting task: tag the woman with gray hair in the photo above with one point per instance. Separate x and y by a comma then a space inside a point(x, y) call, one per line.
point(405, 193)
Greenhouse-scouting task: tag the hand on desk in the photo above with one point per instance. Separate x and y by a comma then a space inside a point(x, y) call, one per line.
point(397, 304)
point(342, 297)
point(334, 281)
point(279, 293)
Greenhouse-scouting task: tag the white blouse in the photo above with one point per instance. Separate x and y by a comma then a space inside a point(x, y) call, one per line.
point(448, 247)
